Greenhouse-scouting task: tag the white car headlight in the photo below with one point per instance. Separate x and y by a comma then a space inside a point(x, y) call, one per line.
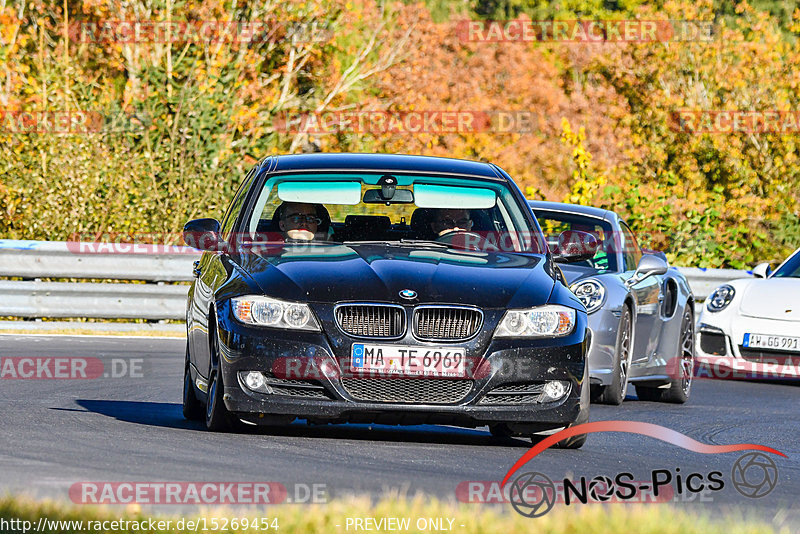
point(591, 293)
point(551, 320)
point(265, 311)
point(720, 298)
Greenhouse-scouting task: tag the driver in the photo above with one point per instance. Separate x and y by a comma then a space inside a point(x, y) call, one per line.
point(298, 220)
point(450, 220)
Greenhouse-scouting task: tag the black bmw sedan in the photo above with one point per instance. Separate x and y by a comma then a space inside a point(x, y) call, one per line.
point(383, 288)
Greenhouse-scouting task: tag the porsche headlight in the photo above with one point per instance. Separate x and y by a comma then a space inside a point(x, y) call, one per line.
point(720, 298)
point(265, 311)
point(591, 293)
point(551, 320)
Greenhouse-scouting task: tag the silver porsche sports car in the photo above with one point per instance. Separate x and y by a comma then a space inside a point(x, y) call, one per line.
point(641, 310)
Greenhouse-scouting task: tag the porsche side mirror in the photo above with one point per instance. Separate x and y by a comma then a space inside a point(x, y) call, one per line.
point(575, 246)
point(762, 270)
point(649, 265)
point(203, 234)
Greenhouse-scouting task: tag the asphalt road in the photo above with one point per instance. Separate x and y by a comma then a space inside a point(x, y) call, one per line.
point(59, 432)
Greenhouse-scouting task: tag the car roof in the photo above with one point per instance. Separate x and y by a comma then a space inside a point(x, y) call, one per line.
point(380, 163)
point(574, 208)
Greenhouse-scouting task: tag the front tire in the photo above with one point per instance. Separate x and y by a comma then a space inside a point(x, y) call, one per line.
point(614, 393)
point(193, 409)
point(218, 418)
point(575, 442)
point(501, 431)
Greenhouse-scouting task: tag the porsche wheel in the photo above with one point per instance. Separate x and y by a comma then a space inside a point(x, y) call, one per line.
point(614, 393)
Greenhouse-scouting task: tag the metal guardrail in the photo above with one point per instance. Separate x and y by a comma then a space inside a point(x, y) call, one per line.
point(704, 281)
point(153, 299)
point(59, 259)
point(92, 300)
point(149, 299)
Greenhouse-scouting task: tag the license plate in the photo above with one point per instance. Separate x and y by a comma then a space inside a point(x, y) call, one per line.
point(408, 361)
point(763, 341)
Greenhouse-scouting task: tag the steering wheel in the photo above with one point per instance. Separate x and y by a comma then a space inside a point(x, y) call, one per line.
point(466, 240)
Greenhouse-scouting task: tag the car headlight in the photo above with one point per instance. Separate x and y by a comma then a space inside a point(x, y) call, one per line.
point(543, 321)
point(720, 298)
point(265, 311)
point(591, 293)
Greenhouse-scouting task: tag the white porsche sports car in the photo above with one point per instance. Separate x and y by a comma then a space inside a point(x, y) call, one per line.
point(750, 328)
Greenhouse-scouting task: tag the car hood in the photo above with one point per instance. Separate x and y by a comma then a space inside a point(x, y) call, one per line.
point(573, 273)
point(773, 298)
point(378, 272)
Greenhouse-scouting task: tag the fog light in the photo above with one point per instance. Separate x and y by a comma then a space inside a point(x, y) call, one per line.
point(555, 389)
point(254, 380)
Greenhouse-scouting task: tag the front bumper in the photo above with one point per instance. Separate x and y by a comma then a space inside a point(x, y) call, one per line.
point(720, 352)
point(604, 324)
point(317, 392)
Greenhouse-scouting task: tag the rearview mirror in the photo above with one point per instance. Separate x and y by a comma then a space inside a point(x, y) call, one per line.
point(203, 234)
point(762, 270)
point(575, 246)
point(401, 196)
point(649, 265)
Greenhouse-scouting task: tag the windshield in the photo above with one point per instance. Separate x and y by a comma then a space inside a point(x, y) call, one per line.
point(791, 268)
point(554, 223)
point(466, 213)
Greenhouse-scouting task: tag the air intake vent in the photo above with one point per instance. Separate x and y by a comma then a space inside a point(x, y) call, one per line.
point(407, 390)
point(446, 323)
point(514, 394)
point(769, 357)
point(371, 320)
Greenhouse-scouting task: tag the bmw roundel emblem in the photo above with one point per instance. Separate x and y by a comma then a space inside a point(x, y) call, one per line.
point(408, 294)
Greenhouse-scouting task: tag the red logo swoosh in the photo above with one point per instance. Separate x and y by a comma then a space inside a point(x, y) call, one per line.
point(634, 427)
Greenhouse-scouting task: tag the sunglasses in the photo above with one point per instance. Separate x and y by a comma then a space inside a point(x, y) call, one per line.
point(308, 219)
point(450, 223)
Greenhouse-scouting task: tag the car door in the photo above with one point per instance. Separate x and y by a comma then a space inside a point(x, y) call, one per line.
point(210, 274)
point(647, 295)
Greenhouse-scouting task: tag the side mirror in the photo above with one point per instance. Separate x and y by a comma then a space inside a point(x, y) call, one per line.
point(762, 270)
point(203, 234)
point(649, 265)
point(575, 246)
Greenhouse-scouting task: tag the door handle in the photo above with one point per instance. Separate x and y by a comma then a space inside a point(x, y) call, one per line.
point(197, 270)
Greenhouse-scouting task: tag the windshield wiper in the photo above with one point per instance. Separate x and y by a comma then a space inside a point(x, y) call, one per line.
point(395, 243)
point(425, 242)
point(288, 242)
